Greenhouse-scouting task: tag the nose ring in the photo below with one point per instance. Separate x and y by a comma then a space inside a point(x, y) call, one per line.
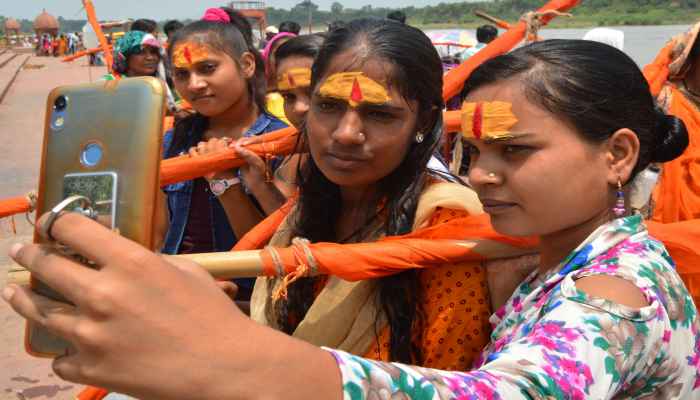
point(492, 175)
point(361, 136)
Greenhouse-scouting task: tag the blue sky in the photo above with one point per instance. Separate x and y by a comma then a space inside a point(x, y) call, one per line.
point(158, 9)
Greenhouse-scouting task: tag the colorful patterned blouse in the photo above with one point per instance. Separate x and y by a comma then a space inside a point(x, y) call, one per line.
point(553, 341)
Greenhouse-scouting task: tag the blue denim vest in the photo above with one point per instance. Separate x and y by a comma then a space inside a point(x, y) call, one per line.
point(179, 195)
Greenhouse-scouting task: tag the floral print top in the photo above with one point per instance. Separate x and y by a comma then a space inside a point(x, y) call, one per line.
point(553, 341)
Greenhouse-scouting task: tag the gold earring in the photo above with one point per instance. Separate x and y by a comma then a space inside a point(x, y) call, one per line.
point(419, 137)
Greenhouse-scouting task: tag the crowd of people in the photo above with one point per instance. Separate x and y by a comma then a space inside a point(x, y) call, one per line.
point(554, 137)
point(60, 45)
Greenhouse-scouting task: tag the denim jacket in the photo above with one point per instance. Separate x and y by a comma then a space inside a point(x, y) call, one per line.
point(179, 195)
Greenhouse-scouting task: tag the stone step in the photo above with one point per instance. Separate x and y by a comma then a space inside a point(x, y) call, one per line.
point(6, 57)
point(9, 72)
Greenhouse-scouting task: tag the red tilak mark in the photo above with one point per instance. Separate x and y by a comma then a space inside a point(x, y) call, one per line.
point(290, 78)
point(356, 93)
point(188, 55)
point(478, 120)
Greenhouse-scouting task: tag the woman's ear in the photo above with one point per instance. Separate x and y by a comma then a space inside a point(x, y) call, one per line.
point(622, 155)
point(247, 62)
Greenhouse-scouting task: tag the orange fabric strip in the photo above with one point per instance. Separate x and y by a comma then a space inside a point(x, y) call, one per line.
point(657, 72)
point(455, 78)
point(92, 19)
point(14, 205)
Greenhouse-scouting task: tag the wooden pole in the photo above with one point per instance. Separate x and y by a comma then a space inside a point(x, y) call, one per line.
point(222, 266)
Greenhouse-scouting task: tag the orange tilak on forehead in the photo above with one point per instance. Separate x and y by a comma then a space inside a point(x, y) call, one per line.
point(355, 88)
point(189, 53)
point(294, 78)
point(488, 120)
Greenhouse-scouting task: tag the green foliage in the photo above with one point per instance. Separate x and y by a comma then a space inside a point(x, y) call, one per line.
point(588, 13)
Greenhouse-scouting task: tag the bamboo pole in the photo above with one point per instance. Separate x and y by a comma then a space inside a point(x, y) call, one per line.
point(222, 266)
point(498, 22)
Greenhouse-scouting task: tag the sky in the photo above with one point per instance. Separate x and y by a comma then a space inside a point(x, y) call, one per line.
point(157, 9)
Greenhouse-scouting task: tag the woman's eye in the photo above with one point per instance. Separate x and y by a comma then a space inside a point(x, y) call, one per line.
point(181, 74)
point(206, 68)
point(328, 106)
point(380, 115)
point(289, 97)
point(515, 149)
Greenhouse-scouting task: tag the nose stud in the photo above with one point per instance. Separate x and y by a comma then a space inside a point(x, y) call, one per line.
point(361, 136)
point(492, 175)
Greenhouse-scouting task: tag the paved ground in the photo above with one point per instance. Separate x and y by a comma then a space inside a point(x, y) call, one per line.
point(21, 130)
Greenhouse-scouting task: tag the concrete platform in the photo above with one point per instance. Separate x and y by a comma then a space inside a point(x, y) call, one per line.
point(21, 131)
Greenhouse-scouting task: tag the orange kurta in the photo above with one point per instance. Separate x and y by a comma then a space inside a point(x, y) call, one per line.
point(456, 309)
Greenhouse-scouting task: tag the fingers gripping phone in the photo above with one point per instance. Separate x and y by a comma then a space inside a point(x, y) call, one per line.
point(102, 141)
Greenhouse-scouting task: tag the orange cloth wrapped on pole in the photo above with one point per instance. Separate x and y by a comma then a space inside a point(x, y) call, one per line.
point(95, 24)
point(14, 205)
point(183, 168)
point(462, 239)
point(455, 78)
point(83, 53)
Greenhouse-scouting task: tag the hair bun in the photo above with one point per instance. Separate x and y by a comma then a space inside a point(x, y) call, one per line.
point(671, 137)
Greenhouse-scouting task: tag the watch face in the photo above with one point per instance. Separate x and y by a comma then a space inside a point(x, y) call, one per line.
point(218, 187)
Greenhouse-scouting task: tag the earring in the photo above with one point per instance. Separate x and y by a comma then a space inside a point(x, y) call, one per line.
point(419, 137)
point(619, 209)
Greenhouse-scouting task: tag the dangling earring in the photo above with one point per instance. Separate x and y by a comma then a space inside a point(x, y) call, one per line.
point(419, 137)
point(619, 209)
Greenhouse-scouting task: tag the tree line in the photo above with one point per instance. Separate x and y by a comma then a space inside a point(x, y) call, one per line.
point(590, 12)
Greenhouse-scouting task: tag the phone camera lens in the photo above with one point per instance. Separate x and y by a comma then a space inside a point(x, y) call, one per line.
point(60, 103)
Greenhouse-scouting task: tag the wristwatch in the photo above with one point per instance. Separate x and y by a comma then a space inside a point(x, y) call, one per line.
point(219, 186)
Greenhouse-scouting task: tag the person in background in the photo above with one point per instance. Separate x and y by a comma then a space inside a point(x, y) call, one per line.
point(145, 25)
point(217, 71)
point(270, 32)
point(137, 53)
point(275, 102)
point(485, 34)
point(398, 16)
point(337, 24)
point(676, 196)
point(171, 27)
point(290, 26)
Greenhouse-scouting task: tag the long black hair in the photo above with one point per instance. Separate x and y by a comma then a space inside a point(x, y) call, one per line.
point(416, 75)
point(234, 39)
point(596, 88)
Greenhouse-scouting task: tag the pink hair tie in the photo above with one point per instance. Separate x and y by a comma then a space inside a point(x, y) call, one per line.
point(268, 47)
point(216, 15)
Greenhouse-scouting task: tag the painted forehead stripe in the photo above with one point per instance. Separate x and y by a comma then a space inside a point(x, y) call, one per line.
point(488, 120)
point(355, 88)
point(189, 53)
point(294, 78)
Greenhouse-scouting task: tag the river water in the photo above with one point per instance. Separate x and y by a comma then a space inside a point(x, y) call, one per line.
point(642, 43)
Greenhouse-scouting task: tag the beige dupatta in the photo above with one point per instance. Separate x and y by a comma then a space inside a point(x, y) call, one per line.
point(344, 314)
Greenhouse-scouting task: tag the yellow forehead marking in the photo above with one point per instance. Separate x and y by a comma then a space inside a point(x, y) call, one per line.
point(188, 54)
point(355, 88)
point(490, 120)
point(294, 78)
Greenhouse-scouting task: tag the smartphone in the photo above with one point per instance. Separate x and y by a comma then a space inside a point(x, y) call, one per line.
point(102, 141)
